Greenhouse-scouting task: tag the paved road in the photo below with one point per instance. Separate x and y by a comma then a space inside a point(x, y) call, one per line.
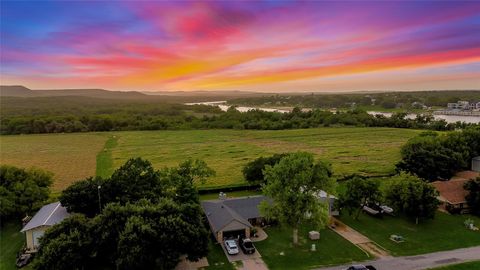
point(423, 261)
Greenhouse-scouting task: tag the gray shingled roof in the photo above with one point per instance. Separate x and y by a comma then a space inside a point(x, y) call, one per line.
point(220, 213)
point(48, 215)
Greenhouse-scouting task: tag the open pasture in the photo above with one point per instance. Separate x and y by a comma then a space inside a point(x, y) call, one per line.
point(370, 151)
point(70, 157)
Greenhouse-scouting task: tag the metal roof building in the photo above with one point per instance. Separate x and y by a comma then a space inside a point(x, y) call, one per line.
point(46, 217)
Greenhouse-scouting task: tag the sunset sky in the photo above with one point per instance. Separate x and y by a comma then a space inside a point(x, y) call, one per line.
point(269, 46)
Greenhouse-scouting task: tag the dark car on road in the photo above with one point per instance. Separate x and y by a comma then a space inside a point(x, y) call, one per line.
point(247, 246)
point(361, 267)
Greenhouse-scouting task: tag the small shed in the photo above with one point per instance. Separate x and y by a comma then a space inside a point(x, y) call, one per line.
point(476, 164)
point(46, 217)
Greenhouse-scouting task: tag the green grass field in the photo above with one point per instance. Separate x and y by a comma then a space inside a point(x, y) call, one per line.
point(70, 157)
point(444, 232)
point(11, 241)
point(217, 259)
point(330, 249)
point(371, 151)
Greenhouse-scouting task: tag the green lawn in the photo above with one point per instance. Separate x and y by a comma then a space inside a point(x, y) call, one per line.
point(461, 266)
point(331, 249)
point(11, 241)
point(217, 259)
point(445, 232)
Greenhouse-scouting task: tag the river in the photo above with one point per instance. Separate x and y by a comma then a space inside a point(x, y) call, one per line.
point(448, 118)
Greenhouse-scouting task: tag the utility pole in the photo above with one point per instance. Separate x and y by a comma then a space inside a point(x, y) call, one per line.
point(99, 199)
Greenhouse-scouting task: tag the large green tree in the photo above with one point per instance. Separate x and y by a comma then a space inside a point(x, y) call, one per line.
point(428, 158)
point(151, 236)
point(184, 178)
point(358, 192)
point(136, 228)
point(293, 184)
point(135, 180)
point(83, 196)
point(22, 191)
point(473, 196)
point(67, 245)
point(253, 171)
point(431, 156)
point(140, 235)
point(412, 196)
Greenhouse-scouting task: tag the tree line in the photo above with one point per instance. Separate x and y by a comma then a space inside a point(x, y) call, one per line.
point(139, 218)
point(407, 194)
point(175, 117)
point(433, 156)
point(386, 100)
point(22, 191)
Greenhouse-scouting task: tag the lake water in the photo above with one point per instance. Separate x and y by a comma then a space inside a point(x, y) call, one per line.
point(222, 105)
point(448, 118)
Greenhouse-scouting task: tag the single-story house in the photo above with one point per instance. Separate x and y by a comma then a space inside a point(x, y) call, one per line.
point(452, 195)
point(233, 217)
point(46, 217)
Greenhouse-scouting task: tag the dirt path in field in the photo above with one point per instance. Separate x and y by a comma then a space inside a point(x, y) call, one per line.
point(359, 240)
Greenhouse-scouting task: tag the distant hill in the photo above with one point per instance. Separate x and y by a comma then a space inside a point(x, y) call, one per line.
point(15, 91)
point(21, 91)
point(216, 93)
point(164, 96)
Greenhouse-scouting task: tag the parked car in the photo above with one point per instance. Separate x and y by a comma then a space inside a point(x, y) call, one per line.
point(373, 211)
point(23, 259)
point(247, 246)
point(231, 247)
point(361, 267)
point(387, 209)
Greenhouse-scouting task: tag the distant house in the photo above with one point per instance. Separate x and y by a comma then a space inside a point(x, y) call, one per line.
point(452, 195)
point(418, 105)
point(460, 105)
point(234, 217)
point(46, 217)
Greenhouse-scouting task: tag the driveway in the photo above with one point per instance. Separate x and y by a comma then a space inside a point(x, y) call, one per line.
point(240, 256)
point(424, 261)
point(253, 264)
